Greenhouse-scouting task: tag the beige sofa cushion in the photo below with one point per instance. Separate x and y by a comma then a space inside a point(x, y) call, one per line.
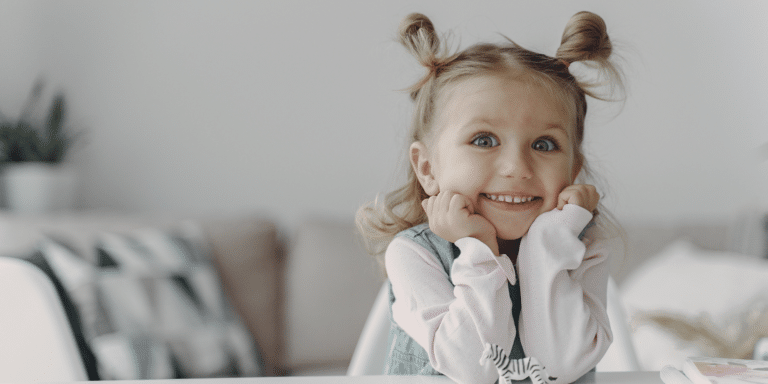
point(645, 240)
point(331, 285)
point(245, 250)
point(250, 260)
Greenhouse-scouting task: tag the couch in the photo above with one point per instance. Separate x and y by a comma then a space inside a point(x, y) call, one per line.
point(303, 294)
point(282, 284)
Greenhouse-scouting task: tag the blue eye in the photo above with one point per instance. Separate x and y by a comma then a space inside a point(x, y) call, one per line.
point(544, 145)
point(485, 141)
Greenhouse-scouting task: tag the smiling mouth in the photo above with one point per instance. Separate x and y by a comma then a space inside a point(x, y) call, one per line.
point(511, 199)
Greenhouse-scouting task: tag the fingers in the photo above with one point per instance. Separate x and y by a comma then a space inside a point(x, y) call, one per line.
point(583, 195)
point(452, 216)
point(459, 203)
point(447, 202)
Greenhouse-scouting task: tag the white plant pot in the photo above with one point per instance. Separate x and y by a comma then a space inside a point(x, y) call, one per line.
point(36, 187)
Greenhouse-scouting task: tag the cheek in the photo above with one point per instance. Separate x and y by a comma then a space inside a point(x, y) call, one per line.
point(557, 177)
point(475, 177)
point(575, 163)
point(464, 174)
point(469, 184)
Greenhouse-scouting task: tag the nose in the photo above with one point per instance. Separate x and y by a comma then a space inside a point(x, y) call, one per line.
point(516, 164)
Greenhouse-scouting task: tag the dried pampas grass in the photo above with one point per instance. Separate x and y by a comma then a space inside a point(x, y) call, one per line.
point(734, 338)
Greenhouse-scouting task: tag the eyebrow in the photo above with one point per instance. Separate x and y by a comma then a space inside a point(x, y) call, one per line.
point(482, 120)
point(494, 122)
point(558, 127)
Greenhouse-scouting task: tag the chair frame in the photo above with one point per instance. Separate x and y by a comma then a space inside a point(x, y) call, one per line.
point(36, 340)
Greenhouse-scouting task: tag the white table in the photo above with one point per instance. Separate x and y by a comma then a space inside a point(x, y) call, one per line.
point(590, 378)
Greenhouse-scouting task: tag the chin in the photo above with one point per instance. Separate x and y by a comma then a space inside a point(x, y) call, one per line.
point(515, 234)
point(512, 228)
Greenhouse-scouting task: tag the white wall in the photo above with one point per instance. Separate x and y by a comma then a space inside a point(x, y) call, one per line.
point(291, 108)
point(21, 47)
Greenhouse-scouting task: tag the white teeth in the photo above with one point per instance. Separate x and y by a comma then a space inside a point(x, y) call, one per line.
point(510, 199)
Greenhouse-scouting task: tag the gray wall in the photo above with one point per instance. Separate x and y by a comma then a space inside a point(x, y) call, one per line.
point(291, 108)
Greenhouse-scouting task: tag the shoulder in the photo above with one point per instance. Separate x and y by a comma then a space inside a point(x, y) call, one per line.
point(417, 231)
point(406, 247)
point(422, 235)
point(405, 253)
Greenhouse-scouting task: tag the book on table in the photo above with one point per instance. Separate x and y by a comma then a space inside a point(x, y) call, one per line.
point(714, 370)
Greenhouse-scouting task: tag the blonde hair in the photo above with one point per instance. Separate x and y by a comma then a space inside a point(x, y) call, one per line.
point(584, 40)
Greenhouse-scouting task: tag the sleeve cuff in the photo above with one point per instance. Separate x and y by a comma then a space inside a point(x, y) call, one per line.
point(479, 252)
point(572, 216)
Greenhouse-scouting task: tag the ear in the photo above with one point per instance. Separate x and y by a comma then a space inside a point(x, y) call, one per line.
point(578, 163)
point(422, 166)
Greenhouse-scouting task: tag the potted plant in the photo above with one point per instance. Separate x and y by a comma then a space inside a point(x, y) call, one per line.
point(31, 156)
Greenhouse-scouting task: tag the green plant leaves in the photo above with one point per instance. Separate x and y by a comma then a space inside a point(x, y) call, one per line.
point(22, 141)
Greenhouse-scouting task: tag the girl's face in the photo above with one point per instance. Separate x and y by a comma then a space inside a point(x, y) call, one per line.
point(504, 144)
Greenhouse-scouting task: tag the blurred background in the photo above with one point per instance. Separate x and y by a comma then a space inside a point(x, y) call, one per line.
point(293, 112)
point(293, 108)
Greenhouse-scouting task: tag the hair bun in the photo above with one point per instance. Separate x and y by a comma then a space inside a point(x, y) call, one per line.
point(585, 38)
point(418, 35)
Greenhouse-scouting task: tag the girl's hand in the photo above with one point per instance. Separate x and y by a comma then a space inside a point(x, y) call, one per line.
point(452, 217)
point(583, 195)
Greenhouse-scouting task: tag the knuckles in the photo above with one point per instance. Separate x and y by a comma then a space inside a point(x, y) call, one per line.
point(445, 219)
point(584, 195)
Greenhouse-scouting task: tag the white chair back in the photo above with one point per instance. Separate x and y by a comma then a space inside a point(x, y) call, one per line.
point(36, 340)
point(371, 350)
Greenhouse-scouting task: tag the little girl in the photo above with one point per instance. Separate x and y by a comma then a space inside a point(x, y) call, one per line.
point(491, 240)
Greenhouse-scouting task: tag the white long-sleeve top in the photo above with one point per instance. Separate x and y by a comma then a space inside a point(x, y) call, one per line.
point(563, 283)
